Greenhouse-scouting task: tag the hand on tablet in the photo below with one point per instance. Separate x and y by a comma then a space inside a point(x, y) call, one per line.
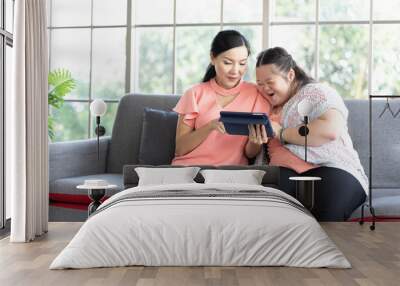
point(276, 127)
point(257, 134)
point(217, 125)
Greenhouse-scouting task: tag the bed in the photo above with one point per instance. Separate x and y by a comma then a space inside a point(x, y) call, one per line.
point(196, 224)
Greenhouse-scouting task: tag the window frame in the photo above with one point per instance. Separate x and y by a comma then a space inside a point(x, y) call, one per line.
point(6, 39)
point(50, 28)
point(130, 28)
point(267, 23)
point(318, 24)
point(174, 25)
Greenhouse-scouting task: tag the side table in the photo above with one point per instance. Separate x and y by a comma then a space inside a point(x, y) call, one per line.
point(95, 193)
point(305, 188)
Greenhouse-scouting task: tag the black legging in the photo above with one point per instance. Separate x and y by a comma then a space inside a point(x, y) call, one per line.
point(337, 195)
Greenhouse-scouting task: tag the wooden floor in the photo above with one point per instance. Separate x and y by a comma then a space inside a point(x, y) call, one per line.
point(375, 257)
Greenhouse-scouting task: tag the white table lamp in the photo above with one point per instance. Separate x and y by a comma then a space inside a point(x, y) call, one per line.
point(98, 108)
point(304, 108)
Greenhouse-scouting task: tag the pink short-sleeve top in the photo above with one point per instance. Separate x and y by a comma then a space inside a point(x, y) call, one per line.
point(198, 106)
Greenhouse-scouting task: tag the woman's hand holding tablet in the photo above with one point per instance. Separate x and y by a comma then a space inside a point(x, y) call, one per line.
point(237, 123)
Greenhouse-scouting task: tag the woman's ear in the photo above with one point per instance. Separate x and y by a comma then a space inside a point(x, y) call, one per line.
point(291, 75)
point(212, 59)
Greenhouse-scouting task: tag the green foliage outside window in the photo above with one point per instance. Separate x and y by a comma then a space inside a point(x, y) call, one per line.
point(153, 61)
point(72, 119)
point(60, 83)
point(193, 55)
point(343, 59)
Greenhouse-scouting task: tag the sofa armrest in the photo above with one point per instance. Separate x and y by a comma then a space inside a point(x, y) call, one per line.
point(77, 158)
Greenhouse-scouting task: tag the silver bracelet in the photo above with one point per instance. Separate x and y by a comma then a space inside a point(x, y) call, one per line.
point(283, 142)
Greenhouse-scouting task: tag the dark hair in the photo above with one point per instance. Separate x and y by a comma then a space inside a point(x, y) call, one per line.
point(223, 41)
point(284, 62)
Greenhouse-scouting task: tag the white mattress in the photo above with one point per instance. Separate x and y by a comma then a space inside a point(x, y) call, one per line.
point(190, 230)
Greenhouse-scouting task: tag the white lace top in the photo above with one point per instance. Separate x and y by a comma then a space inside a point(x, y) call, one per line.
point(338, 153)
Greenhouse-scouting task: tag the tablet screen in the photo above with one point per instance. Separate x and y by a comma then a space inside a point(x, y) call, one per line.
point(236, 123)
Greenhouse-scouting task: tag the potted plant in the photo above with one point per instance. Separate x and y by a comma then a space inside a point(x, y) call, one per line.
point(60, 84)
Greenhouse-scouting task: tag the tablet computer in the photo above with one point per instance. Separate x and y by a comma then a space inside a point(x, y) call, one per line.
point(236, 123)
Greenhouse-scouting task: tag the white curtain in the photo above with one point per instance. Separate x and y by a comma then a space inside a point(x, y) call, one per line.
point(26, 130)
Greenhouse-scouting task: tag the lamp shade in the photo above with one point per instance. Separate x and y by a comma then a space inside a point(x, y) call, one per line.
point(304, 107)
point(98, 107)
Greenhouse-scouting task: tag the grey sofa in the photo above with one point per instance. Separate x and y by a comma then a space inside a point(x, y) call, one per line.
point(73, 162)
point(70, 163)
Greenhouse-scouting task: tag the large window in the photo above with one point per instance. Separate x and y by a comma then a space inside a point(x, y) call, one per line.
point(88, 38)
point(6, 42)
point(171, 52)
point(116, 47)
point(349, 44)
point(162, 46)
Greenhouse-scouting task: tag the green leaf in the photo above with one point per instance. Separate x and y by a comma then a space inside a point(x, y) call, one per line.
point(51, 128)
point(60, 84)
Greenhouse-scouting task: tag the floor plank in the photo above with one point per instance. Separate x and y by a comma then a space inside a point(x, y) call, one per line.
point(374, 255)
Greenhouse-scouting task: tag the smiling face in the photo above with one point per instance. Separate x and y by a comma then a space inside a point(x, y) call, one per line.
point(274, 85)
point(230, 66)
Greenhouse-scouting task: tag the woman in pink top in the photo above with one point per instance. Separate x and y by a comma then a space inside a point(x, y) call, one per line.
point(200, 136)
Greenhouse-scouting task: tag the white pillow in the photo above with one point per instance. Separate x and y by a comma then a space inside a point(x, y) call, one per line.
point(248, 177)
point(164, 176)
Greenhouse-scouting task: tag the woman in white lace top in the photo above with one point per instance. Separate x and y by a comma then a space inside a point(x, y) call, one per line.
point(330, 151)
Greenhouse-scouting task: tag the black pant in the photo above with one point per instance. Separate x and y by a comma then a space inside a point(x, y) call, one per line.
point(337, 195)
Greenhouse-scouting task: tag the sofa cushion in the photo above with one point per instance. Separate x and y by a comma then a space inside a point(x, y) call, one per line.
point(125, 143)
point(157, 144)
point(64, 190)
point(385, 192)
